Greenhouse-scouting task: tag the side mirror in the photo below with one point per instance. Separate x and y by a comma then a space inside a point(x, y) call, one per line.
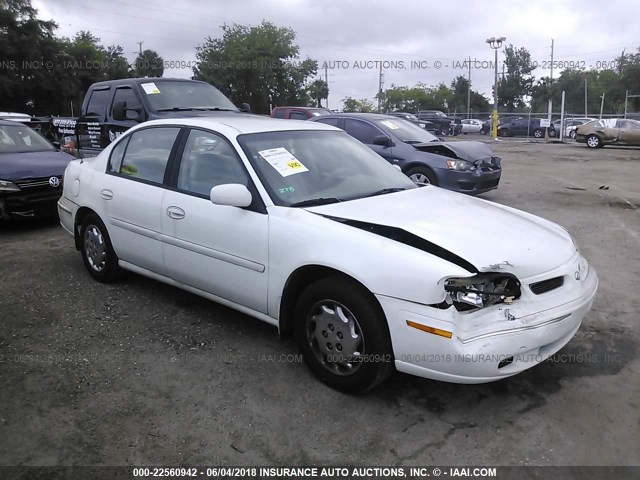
point(56, 144)
point(119, 110)
point(382, 140)
point(245, 107)
point(231, 194)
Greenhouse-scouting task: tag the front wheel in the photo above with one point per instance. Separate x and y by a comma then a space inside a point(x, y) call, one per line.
point(593, 141)
point(572, 134)
point(422, 176)
point(97, 252)
point(538, 133)
point(343, 335)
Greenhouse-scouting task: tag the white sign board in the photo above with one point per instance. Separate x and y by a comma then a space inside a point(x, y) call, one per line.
point(545, 122)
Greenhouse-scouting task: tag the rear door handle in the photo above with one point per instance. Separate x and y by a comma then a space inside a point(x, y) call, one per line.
point(175, 212)
point(106, 194)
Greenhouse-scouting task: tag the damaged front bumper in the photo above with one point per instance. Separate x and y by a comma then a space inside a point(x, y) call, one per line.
point(495, 342)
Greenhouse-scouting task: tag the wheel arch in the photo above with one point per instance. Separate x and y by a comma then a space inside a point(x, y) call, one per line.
point(298, 281)
point(81, 214)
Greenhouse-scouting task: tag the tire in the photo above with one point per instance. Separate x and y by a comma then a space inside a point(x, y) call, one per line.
point(593, 141)
point(422, 176)
point(337, 321)
point(505, 132)
point(537, 133)
point(97, 251)
point(572, 134)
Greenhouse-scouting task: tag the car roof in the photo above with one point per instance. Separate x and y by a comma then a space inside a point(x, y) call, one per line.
point(129, 81)
point(243, 123)
point(11, 123)
point(364, 116)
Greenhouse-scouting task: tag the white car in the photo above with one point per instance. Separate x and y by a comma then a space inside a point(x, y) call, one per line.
point(300, 225)
point(471, 125)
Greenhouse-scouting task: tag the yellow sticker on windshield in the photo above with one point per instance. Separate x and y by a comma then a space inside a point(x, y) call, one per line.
point(283, 161)
point(150, 88)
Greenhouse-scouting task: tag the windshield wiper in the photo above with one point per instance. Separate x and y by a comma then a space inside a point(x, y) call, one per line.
point(180, 109)
point(384, 191)
point(315, 201)
point(219, 109)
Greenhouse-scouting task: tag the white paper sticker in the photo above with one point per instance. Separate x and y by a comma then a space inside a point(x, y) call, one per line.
point(150, 88)
point(390, 124)
point(283, 161)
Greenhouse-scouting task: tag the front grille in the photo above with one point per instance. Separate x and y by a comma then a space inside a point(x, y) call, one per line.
point(37, 182)
point(546, 285)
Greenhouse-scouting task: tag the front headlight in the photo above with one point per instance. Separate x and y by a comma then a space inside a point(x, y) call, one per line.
point(460, 165)
point(7, 186)
point(482, 290)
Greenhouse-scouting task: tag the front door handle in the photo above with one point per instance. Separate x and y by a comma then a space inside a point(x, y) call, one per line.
point(106, 194)
point(175, 212)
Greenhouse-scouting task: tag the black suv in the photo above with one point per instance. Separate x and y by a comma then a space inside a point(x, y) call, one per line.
point(520, 126)
point(446, 125)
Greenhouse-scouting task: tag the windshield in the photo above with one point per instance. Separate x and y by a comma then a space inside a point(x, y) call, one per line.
point(310, 166)
point(21, 139)
point(406, 131)
point(169, 95)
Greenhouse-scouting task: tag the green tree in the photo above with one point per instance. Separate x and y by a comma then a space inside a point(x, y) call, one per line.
point(460, 91)
point(517, 85)
point(318, 91)
point(148, 64)
point(351, 105)
point(28, 51)
point(256, 64)
point(420, 97)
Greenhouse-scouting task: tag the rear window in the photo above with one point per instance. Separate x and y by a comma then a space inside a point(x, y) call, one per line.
point(97, 106)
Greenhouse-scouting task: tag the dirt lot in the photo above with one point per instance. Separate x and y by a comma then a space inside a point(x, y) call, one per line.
point(141, 373)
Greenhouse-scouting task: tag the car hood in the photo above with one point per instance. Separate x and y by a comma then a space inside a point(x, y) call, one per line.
point(489, 236)
point(20, 166)
point(469, 151)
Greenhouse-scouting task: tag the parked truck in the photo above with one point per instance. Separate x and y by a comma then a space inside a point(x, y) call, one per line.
point(112, 107)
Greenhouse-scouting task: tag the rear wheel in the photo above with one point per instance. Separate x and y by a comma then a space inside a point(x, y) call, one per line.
point(97, 252)
point(538, 133)
point(572, 134)
point(504, 132)
point(422, 176)
point(593, 141)
point(343, 335)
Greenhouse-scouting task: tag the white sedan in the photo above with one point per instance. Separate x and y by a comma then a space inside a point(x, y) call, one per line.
point(471, 125)
point(301, 226)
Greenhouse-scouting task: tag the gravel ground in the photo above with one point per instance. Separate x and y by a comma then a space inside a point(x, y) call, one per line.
point(137, 372)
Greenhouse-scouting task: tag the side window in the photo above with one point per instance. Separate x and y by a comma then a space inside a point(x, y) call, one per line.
point(128, 96)
point(361, 131)
point(330, 121)
point(295, 115)
point(148, 152)
point(279, 113)
point(97, 106)
point(117, 154)
point(207, 161)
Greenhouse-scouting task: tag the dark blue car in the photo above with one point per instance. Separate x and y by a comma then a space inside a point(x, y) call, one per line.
point(467, 167)
point(31, 172)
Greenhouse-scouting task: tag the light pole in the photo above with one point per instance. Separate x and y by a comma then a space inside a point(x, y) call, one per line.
point(495, 43)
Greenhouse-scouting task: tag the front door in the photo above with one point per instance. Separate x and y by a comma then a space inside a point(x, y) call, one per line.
point(221, 250)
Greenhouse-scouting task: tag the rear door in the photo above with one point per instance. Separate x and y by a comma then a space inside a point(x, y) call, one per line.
point(132, 193)
point(93, 136)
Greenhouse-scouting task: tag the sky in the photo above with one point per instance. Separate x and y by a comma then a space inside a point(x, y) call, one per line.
point(420, 41)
